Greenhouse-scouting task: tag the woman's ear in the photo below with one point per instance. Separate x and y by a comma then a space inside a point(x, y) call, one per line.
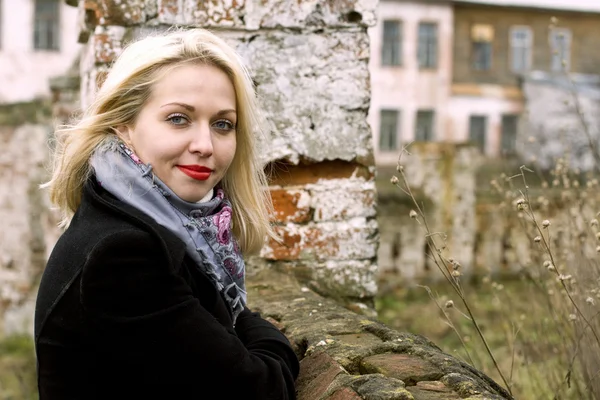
point(124, 133)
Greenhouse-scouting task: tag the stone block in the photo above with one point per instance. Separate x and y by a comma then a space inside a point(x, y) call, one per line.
point(317, 372)
point(271, 14)
point(315, 89)
point(115, 12)
point(432, 390)
point(107, 44)
point(344, 394)
point(407, 368)
point(341, 199)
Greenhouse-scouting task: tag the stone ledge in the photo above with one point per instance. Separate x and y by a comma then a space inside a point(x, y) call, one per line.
point(345, 355)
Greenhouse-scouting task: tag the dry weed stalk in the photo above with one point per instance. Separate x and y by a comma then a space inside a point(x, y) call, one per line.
point(451, 268)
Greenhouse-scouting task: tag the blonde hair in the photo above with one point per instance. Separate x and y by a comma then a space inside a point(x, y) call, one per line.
point(126, 89)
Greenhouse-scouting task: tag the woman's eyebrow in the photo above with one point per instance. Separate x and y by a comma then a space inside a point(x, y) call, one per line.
point(186, 106)
point(228, 111)
point(192, 108)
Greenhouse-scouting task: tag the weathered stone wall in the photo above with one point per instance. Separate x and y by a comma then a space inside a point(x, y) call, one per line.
point(345, 356)
point(28, 226)
point(309, 60)
point(483, 228)
point(24, 216)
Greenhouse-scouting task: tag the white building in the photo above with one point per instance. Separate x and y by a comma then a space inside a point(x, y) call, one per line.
point(38, 40)
point(411, 74)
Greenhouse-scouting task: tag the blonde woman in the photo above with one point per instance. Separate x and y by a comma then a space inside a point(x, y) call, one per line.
point(160, 187)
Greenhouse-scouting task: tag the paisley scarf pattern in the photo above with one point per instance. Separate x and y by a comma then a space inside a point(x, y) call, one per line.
point(205, 227)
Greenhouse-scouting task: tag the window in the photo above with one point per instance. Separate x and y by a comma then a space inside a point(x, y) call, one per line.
point(477, 129)
point(482, 37)
point(510, 125)
point(424, 126)
point(428, 44)
point(521, 42)
point(46, 31)
point(560, 46)
point(391, 51)
point(388, 130)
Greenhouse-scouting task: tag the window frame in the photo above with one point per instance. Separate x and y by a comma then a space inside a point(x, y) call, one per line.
point(526, 46)
point(430, 136)
point(392, 135)
point(513, 148)
point(482, 42)
point(554, 66)
point(428, 46)
point(395, 44)
point(45, 21)
point(481, 144)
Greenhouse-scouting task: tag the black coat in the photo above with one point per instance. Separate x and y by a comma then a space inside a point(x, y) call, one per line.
point(123, 312)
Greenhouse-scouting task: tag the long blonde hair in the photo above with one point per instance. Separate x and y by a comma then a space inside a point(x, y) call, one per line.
point(118, 102)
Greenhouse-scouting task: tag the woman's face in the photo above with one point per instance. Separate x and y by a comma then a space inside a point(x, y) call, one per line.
point(187, 129)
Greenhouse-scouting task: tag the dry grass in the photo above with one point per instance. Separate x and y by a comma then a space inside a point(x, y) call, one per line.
point(543, 340)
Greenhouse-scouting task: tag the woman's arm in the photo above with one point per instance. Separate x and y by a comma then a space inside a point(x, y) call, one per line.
point(145, 316)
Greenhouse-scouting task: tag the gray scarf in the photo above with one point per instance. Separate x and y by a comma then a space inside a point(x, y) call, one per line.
point(205, 228)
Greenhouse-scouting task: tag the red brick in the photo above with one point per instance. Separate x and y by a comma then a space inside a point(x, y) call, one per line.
point(317, 372)
point(287, 249)
point(407, 368)
point(315, 242)
point(285, 174)
point(286, 206)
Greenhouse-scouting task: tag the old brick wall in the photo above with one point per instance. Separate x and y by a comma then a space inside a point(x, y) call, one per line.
point(584, 57)
point(309, 60)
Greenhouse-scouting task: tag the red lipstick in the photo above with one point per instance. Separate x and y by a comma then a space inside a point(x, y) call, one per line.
point(197, 172)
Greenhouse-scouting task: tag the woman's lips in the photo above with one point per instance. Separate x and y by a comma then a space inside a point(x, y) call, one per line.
point(196, 171)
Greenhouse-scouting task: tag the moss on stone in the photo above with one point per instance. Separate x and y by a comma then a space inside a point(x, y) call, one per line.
point(33, 112)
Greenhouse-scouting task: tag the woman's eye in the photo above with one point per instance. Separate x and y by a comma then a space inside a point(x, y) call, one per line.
point(224, 125)
point(177, 119)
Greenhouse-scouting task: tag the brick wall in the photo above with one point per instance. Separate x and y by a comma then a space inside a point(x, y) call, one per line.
point(310, 62)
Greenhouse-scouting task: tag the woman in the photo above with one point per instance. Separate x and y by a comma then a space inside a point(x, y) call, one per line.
point(160, 186)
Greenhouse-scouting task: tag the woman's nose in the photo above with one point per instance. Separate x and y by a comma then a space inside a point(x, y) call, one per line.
point(201, 141)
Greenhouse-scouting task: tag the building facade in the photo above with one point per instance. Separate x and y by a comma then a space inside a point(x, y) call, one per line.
point(411, 64)
point(38, 40)
point(497, 46)
point(485, 49)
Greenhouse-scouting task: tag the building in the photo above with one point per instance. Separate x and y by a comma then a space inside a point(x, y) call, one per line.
point(485, 49)
point(499, 43)
point(411, 74)
point(38, 40)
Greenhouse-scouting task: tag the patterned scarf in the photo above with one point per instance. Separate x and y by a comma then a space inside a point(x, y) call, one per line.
point(205, 228)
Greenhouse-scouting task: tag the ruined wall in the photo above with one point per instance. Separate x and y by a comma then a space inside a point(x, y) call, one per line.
point(442, 177)
point(309, 60)
point(28, 226)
